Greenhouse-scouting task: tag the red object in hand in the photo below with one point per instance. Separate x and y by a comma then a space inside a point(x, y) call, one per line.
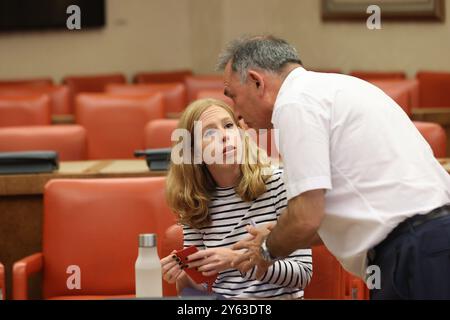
point(193, 273)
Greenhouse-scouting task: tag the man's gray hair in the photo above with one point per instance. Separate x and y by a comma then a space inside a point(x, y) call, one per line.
point(261, 52)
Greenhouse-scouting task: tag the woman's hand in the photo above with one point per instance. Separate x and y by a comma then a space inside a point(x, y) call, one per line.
point(171, 269)
point(212, 261)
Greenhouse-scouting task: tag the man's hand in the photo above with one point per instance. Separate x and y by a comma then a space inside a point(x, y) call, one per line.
point(252, 257)
point(212, 261)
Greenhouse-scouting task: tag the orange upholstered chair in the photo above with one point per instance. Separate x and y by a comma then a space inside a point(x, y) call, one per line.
point(32, 82)
point(379, 75)
point(91, 83)
point(115, 123)
point(68, 140)
point(2, 283)
point(162, 76)
point(173, 240)
point(93, 224)
point(59, 95)
point(215, 94)
point(435, 135)
point(331, 281)
point(174, 94)
point(24, 111)
point(434, 89)
point(158, 133)
point(195, 84)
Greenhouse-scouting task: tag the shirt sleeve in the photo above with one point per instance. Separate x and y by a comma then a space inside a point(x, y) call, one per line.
point(295, 271)
point(192, 237)
point(304, 144)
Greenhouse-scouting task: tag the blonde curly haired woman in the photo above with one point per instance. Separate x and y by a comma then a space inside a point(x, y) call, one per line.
point(215, 201)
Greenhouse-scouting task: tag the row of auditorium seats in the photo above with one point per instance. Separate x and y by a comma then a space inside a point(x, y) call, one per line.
point(74, 142)
point(432, 87)
point(101, 139)
point(175, 95)
point(121, 209)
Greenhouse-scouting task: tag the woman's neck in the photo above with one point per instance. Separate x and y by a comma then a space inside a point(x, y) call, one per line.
point(225, 176)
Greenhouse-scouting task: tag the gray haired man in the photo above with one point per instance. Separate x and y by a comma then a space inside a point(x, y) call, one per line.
point(359, 175)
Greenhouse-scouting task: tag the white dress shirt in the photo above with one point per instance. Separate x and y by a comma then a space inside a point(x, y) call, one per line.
point(345, 135)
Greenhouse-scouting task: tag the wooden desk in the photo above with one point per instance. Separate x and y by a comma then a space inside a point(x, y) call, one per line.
point(21, 206)
point(437, 115)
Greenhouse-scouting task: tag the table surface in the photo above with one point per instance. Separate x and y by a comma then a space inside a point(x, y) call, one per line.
point(29, 184)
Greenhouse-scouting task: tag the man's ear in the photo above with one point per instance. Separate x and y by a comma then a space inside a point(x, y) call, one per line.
point(256, 80)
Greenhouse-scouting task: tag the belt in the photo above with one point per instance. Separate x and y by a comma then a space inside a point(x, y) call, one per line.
point(406, 225)
point(420, 219)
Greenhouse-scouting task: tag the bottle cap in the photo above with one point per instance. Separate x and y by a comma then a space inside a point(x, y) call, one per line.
point(147, 240)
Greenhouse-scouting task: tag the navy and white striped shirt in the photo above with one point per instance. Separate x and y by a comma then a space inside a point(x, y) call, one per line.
point(286, 278)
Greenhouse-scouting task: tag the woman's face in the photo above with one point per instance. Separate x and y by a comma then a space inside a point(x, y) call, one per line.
point(221, 139)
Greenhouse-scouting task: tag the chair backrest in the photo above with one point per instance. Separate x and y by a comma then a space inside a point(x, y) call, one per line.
point(94, 224)
point(24, 110)
point(194, 84)
point(327, 281)
point(2, 282)
point(174, 93)
point(115, 123)
point(173, 240)
point(434, 89)
point(162, 76)
point(59, 95)
point(379, 75)
point(330, 280)
point(158, 133)
point(33, 82)
point(435, 135)
point(215, 94)
point(91, 83)
point(68, 140)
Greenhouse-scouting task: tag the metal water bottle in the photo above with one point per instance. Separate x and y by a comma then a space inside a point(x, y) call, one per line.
point(148, 268)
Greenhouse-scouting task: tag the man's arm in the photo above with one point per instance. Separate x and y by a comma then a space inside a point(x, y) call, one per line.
point(297, 228)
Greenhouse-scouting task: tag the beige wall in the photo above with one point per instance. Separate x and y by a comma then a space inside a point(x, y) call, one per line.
point(140, 35)
point(348, 46)
point(171, 34)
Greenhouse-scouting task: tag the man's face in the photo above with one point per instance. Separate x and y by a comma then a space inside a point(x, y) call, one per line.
point(249, 103)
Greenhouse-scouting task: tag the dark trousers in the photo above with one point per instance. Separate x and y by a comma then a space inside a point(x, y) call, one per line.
point(414, 262)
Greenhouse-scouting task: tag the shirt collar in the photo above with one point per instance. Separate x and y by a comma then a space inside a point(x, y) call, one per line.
point(294, 73)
